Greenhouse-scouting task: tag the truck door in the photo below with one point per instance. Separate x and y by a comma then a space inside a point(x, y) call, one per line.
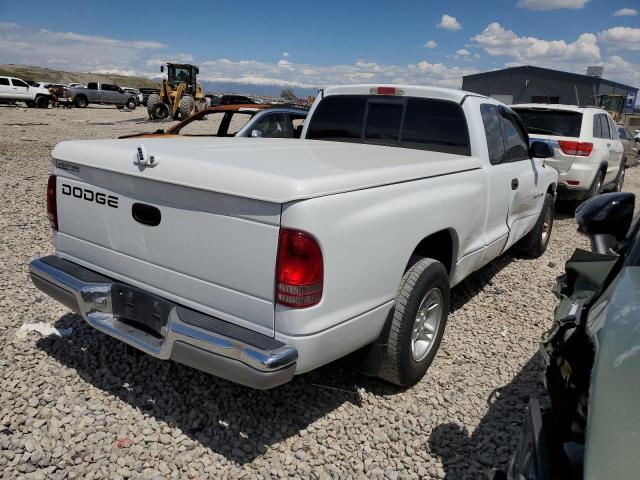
point(512, 179)
point(526, 197)
point(20, 89)
point(110, 94)
point(616, 150)
point(6, 92)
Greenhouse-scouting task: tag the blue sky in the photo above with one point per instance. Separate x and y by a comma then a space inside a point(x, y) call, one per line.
point(313, 44)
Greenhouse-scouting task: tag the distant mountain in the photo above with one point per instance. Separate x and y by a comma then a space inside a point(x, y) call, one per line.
point(40, 74)
point(254, 89)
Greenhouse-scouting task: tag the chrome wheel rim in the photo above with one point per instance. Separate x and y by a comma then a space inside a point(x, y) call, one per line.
point(425, 325)
point(620, 181)
point(546, 227)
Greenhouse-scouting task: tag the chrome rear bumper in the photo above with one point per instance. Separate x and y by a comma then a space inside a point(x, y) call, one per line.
point(189, 337)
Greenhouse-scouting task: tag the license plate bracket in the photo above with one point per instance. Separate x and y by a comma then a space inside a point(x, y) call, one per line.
point(139, 308)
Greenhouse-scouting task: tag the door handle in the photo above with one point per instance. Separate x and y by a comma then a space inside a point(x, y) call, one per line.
point(514, 184)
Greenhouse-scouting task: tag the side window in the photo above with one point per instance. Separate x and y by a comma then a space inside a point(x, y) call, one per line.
point(18, 83)
point(274, 125)
point(4, 81)
point(597, 127)
point(604, 125)
point(516, 143)
point(297, 124)
point(493, 133)
point(612, 128)
point(92, 86)
point(109, 88)
point(622, 134)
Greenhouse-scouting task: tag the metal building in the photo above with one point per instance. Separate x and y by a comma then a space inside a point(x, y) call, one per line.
point(530, 84)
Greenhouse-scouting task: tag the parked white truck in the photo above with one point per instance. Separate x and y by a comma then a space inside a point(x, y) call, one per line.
point(259, 260)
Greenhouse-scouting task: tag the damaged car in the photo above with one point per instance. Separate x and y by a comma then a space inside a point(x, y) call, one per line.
point(591, 428)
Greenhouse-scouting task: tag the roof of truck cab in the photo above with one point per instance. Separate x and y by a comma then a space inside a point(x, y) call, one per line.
point(451, 94)
point(554, 106)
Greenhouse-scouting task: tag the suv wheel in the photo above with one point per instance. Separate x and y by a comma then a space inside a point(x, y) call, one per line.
point(596, 186)
point(620, 178)
point(419, 319)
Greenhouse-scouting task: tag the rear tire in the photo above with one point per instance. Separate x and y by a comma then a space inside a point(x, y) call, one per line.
point(160, 111)
point(596, 186)
point(535, 243)
point(186, 106)
point(620, 177)
point(152, 100)
point(419, 319)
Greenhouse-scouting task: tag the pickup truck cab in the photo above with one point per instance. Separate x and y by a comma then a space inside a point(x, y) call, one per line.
point(102, 93)
point(16, 90)
point(258, 261)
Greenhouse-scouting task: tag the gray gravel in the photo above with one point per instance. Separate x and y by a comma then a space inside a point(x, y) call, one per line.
point(76, 407)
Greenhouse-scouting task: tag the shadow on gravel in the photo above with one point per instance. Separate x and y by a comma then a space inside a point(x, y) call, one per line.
point(492, 443)
point(232, 420)
point(479, 281)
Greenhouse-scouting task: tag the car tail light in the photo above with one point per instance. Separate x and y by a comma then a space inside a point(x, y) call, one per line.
point(581, 149)
point(299, 269)
point(52, 207)
point(573, 182)
point(386, 91)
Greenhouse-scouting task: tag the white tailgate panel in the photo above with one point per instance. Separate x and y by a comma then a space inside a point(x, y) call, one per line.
point(220, 262)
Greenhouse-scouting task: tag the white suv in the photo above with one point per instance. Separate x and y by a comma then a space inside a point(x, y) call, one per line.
point(588, 152)
point(15, 90)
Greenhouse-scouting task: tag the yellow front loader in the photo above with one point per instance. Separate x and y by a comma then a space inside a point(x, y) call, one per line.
point(180, 95)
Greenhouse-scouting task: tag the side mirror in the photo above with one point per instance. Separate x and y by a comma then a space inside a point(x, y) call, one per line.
point(539, 149)
point(161, 68)
point(256, 133)
point(606, 219)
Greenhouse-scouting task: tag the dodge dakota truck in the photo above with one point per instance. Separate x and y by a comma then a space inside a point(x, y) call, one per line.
point(259, 260)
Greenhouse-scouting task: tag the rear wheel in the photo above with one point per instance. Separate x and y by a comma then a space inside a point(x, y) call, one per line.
point(535, 243)
point(419, 319)
point(131, 104)
point(152, 100)
point(620, 178)
point(186, 106)
point(596, 186)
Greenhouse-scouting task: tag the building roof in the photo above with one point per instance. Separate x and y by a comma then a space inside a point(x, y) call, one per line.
point(548, 71)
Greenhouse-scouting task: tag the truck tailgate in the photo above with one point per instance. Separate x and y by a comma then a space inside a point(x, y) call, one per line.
point(210, 251)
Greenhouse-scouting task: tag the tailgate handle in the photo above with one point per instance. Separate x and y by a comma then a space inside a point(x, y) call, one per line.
point(146, 214)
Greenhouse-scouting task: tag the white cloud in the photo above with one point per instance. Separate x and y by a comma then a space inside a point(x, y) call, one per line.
point(496, 40)
point(618, 68)
point(625, 12)
point(286, 54)
point(286, 64)
point(622, 38)
point(430, 44)
point(463, 52)
point(545, 5)
point(19, 44)
point(449, 23)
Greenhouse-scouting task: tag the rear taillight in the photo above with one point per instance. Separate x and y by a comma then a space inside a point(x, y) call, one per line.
point(299, 269)
point(52, 207)
point(581, 149)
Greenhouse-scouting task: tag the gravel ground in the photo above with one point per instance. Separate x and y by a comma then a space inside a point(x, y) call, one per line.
point(76, 407)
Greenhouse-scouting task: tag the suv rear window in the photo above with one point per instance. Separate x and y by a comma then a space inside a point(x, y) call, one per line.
point(551, 122)
point(408, 122)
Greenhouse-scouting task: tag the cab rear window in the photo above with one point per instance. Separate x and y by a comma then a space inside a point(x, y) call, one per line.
point(406, 122)
point(551, 122)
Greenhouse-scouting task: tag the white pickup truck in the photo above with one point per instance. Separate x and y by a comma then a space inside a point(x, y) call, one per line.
point(259, 259)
